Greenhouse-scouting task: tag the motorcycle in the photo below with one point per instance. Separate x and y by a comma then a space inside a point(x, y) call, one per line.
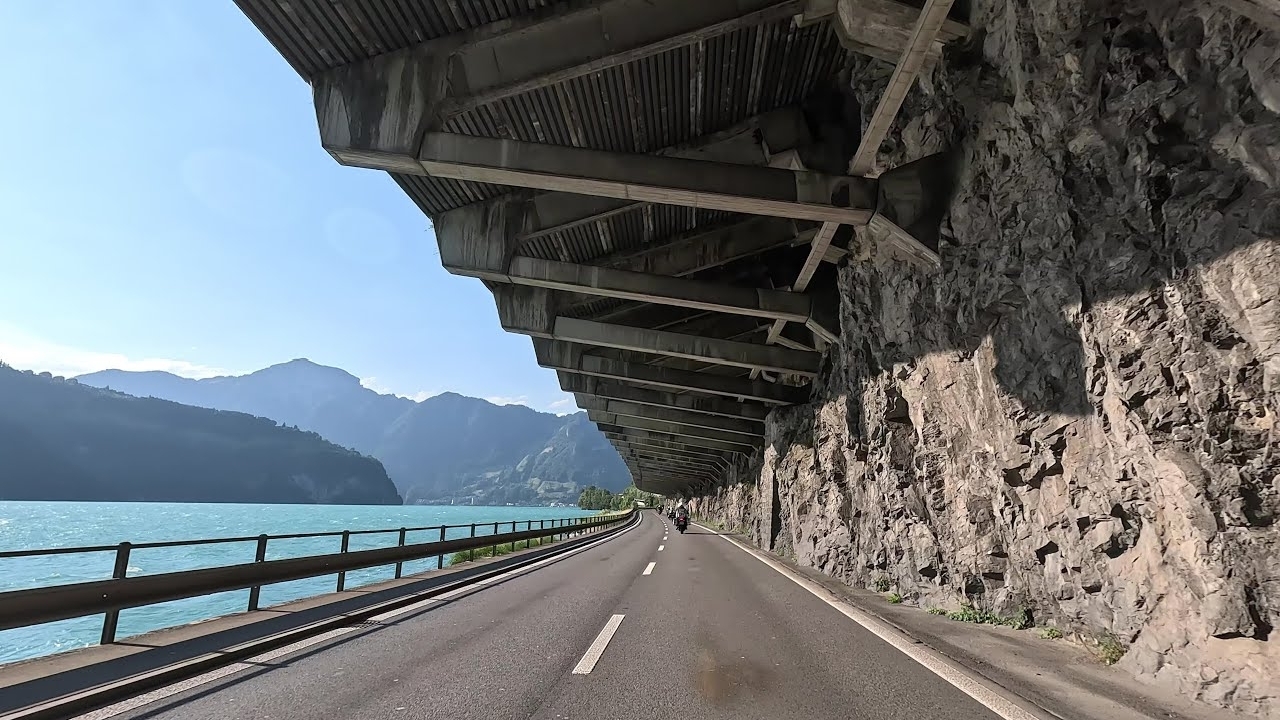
point(682, 523)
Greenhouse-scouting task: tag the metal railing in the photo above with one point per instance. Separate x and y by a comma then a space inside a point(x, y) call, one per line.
point(35, 606)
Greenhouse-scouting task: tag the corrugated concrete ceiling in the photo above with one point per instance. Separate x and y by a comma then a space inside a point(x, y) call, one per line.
point(713, 92)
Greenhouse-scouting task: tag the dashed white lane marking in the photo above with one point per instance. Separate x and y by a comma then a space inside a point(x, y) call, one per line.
point(256, 662)
point(649, 570)
point(660, 547)
point(592, 656)
point(989, 696)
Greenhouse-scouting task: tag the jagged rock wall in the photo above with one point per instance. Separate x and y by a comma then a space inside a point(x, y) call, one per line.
point(1077, 416)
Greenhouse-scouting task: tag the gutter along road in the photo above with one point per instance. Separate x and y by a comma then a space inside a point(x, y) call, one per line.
point(645, 624)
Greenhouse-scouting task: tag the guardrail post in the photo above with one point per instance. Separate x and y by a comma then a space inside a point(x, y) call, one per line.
point(471, 553)
point(400, 565)
point(513, 542)
point(495, 545)
point(528, 542)
point(259, 556)
point(346, 542)
point(440, 557)
point(121, 570)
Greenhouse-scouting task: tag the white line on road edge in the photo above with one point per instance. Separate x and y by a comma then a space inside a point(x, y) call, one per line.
point(649, 570)
point(258, 661)
point(660, 547)
point(978, 689)
point(589, 660)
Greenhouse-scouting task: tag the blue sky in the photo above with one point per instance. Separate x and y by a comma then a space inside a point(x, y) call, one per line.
point(165, 204)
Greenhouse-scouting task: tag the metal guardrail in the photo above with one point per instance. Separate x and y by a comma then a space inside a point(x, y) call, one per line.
point(35, 606)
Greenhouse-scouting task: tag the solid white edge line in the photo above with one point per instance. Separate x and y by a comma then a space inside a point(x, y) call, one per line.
point(592, 656)
point(648, 570)
point(926, 656)
point(257, 661)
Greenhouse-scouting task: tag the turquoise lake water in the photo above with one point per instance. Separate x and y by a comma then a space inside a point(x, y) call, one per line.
point(30, 525)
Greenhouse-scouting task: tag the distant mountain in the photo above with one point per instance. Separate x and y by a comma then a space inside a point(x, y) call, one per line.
point(448, 448)
point(60, 440)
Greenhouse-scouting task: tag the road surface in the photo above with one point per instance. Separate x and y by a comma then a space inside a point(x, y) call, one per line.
point(649, 624)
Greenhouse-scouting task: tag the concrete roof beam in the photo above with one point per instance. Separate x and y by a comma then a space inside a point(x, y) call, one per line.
point(691, 441)
point(747, 428)
point(599, 387)
point(667, 460)
point(625, 446)
point(573, 358)
point(478, 241)
point(532, 311)
point(746, 442)
point(704, 249)
point(729, 187)
point(879, 28)
point(652, 469)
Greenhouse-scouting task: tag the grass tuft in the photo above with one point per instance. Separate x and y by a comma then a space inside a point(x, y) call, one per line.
point(881, 584)
point(1050, 633)
point(937, 611)
point(895, 599)
point(1110, 649)
point(970, 614)
point(490, 551)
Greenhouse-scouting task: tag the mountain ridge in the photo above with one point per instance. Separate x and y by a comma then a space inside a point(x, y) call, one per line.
point(446, 448)
point(63, 440)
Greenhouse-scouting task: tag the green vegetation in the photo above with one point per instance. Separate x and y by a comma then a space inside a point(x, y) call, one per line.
point(595, 498)
point(937, 611)
point(61, 440)
point(1050, 633)
point(1110, 649)
point(492, 551)
point(895, 599)
point(969, 613)
point(881, 584)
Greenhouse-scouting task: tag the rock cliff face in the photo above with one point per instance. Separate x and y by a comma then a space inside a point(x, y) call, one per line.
point(1077, 416)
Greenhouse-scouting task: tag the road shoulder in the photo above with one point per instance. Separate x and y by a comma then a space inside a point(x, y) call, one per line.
point(1057, 676)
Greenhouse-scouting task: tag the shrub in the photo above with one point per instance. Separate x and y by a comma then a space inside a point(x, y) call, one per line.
point(1110, 650)
point(1050, 633)
point(969, 613)
point(937, 611)
point(881, 584)
point(895, 598)
point(490, 551)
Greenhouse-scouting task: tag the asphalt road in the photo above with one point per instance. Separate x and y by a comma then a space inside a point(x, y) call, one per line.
point(710, 632)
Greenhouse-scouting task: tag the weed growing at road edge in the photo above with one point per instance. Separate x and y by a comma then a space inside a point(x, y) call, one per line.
point(1050, 633)
point(1110, 649)
point(1019, 621)
point(937, 611)
point(970, 614)
point(488, 552)
point(895, 599)
point(881, 584)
